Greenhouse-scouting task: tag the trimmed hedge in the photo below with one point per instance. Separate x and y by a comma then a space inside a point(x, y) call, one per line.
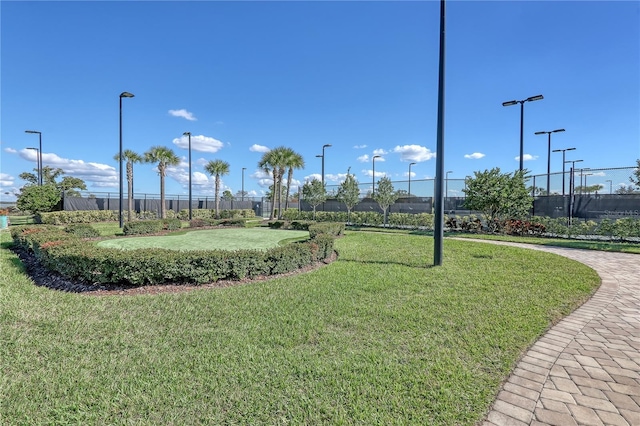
point(329, 228)
point(82, 230)
point(82, 260)
point(211, 214)
point(77, 216)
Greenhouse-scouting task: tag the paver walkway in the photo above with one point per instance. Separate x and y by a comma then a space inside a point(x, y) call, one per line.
point(586, 369)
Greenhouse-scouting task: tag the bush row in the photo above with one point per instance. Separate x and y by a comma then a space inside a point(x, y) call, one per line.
point(82, 260)
point(199, 223)
point(211, 214)
point(142, 227)
point(78, 216)
point(618, 229)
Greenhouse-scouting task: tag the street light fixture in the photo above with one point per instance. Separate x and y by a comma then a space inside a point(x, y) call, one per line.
point(510, 103)
point(410, 164)
point(373, 188)
point(40, 178)
point(122, 95)
point(242, 194)
point(563, 163)
point(610, 186)
point(572, 185)
point(322, 156)
point(189, 135)
point(549, 156)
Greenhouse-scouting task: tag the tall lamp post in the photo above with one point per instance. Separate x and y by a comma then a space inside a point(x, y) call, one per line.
point(610, 186)
point(373, 188)
point(40, 178)
point(509, 103)
point(122, 95)
point(572, 187)
point(190, 211)
point(242, 193)
point(410, 164)
point(37, 162)
point(322, 156)
point(549, 156)
point(563, 163)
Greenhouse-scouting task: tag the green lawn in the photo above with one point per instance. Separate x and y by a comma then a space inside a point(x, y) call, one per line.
point(560, 242)
point(210, 239)
point(376, 337)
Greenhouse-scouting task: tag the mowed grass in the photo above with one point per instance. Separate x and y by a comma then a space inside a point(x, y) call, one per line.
point(560, 242)
point(210, 239)
point(376, 337)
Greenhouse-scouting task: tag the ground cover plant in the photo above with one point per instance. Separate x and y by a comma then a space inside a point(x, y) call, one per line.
point(372, 338)
point(210, 239)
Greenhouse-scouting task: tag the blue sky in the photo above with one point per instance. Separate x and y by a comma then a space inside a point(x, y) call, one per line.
point(244, 77)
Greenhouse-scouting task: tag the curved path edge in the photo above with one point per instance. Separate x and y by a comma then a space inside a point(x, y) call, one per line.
point(585, 370)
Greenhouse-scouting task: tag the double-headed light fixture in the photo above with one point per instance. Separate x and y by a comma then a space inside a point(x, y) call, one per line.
point(549, 156)
point(514, 102)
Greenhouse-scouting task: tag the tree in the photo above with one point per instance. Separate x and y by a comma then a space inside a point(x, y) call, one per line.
point(385, 195)
point(292, 160)
point(165, 157)
point(274, 162)
point(314, 193)
point(630, 189)
point(217, 168)
point(227, 195)
point(349, 193)
point(131, 157)
point(67, 184)
point(635, 177)
point(38, 199)
point(499, 196)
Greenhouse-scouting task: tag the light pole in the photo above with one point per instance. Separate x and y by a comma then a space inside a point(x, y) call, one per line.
point(37, 162)
point(242, 193)
point(40, 178)
point(373, 188)
point(190, 211)
point(586, 189)
point(610, 186)
point(572, 185)
point(410, 164)
point(322, 156)
point(122, 95)
point(563, 163)
point(509, 103)
point(549, 157)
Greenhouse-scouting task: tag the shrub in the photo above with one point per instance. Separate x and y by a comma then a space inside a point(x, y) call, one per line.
point(329, 228)
point(82, 230)
point(171, 224)
point(77, 216)
point(143, 227)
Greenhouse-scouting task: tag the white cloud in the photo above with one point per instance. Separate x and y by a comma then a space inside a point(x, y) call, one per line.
point(96, 174)
point(182, 113)
point(359, 146)
point(406, 174)
point(378, 174)
point(598, 174)
point(11, 150)
point(414, 153)
point(6, 180)
point(312, 176)
point(474, 156)
point(336, 178)
point(199, 143)
point(527, 157)
point(363, 158)
point(258, 148)
point(379, 151)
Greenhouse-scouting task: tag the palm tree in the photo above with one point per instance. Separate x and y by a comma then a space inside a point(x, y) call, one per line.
point(293, 160)
point(132, 158)
point(165, 157)
point(217, 168)
point(273, 162)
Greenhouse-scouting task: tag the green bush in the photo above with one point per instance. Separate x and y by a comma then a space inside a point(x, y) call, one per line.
point(77, 216)
point(171, 224)
point(82, 260)
point(329, 228)
point(82, 230)
point(143, 227)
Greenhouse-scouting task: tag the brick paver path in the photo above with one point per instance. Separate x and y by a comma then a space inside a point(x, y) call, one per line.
point(586, 369)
